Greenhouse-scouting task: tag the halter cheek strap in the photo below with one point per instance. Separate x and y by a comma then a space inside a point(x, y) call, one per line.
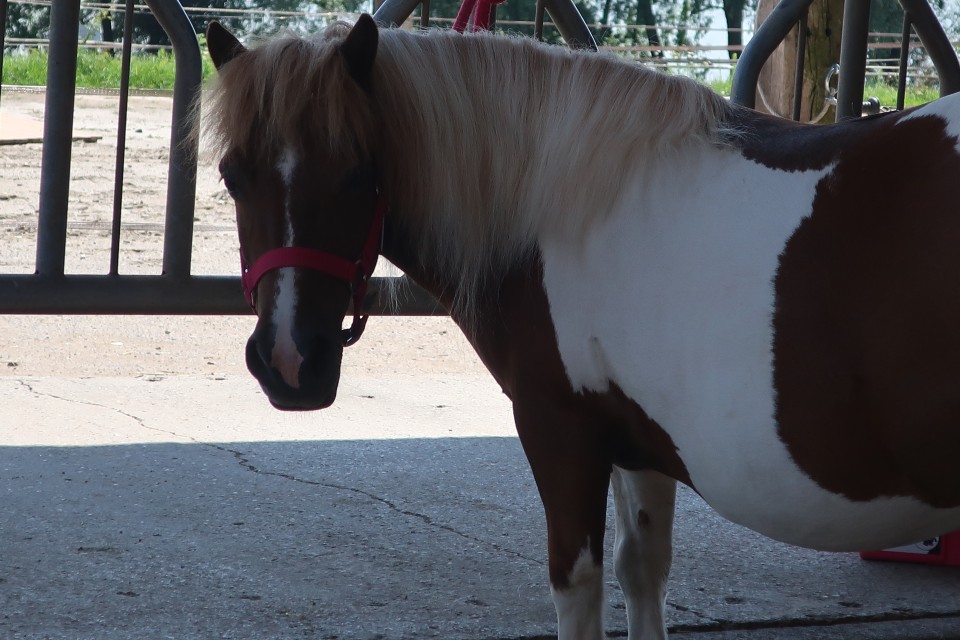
point(356, 274)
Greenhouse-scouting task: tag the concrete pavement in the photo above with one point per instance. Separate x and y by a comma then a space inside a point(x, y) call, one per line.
point(185, 507)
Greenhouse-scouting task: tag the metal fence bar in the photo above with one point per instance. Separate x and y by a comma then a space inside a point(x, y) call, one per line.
point(799, 66)
point(936, 42)
point(159, 295)
point(3, 35)
point(853, 59)
point(121, 139)
point(175, 291)
point(57, 137)
point(568, 21)
point(788, 12)
point(785, 15)
point(182, 174)
point(393, 13)
point(904, 60)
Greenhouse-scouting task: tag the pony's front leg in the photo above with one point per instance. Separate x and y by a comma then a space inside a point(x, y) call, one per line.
point(572, 474)
point(644, 502)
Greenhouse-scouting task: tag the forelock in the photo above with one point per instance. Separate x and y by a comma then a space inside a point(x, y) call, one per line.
point(289, 92)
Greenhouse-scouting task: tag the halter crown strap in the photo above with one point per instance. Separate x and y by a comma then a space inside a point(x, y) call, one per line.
point(356, 274)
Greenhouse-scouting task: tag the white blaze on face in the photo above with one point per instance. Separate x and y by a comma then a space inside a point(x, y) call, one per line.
point(286, 357)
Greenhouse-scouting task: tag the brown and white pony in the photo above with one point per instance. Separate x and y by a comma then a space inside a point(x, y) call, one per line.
point(668, 287)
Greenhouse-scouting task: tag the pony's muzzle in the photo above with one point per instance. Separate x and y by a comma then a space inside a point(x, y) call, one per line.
point(306, 385)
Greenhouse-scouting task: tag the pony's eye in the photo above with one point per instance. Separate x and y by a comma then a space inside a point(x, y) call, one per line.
point(231, 182)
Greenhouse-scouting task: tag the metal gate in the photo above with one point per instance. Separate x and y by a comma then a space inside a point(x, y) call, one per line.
point(174, 290)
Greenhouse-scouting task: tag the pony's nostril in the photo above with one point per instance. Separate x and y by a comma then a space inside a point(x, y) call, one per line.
point(256, 357)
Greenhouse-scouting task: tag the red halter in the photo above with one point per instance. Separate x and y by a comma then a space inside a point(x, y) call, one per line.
point(356, 274)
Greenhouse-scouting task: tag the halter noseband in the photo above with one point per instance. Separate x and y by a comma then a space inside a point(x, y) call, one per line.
point(356, 274)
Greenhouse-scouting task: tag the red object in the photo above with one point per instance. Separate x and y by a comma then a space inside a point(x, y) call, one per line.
point(944, 550)
point(480, 10)
point(356, 274)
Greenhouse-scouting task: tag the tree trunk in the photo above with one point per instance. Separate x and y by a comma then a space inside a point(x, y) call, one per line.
point(646, 17)
point(822, 51)
point(733, 12)
point(605, 17)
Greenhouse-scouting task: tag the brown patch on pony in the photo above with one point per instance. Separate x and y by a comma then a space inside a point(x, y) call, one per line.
point(796, 146)
point(526, 362)
point(867, 321)
point(571, 439)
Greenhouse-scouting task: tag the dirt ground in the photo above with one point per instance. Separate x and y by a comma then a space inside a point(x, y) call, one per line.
point(155, 346)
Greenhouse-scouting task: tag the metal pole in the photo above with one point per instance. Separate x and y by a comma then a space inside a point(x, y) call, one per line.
point(936, 43)
point(152, 295)
point(393, 13)
point(570, 24)
point(764, 42)
point(57, 137)
point(182, 174)
point(425, 14)
point(538, 22)
point(3, 36)
point(904, 58)
point(121, 137)
point(801, 62)
point(853, 59)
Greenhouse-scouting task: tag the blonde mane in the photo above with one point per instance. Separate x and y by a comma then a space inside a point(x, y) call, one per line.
point(486, 143)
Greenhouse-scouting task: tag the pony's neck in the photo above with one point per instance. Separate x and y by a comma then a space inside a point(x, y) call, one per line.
point(493, 143)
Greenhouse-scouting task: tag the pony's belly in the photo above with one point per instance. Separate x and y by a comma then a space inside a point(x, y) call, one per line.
point(671, 299)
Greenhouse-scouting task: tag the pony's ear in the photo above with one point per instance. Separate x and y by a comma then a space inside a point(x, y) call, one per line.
point(360, 49)
point(222, 45)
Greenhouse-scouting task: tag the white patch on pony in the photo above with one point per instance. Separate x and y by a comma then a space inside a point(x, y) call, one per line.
point(287, 167)
point(580, 605)
point(286, 358)
point(947, 108)
point(672, 299)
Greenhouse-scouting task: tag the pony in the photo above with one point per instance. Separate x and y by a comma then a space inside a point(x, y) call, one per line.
point(669, 287)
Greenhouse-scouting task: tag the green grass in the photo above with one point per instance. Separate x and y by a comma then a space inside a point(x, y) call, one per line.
point(98, 70)
point(886, 93)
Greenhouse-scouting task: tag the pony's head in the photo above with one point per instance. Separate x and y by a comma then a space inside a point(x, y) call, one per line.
point(292, 121)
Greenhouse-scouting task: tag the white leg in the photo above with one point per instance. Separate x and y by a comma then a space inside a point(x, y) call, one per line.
point(580, 603)
point(643, 548)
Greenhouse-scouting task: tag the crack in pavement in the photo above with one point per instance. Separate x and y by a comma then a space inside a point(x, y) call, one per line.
point(700, 616)
point(140, 421)
point(246, 464)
